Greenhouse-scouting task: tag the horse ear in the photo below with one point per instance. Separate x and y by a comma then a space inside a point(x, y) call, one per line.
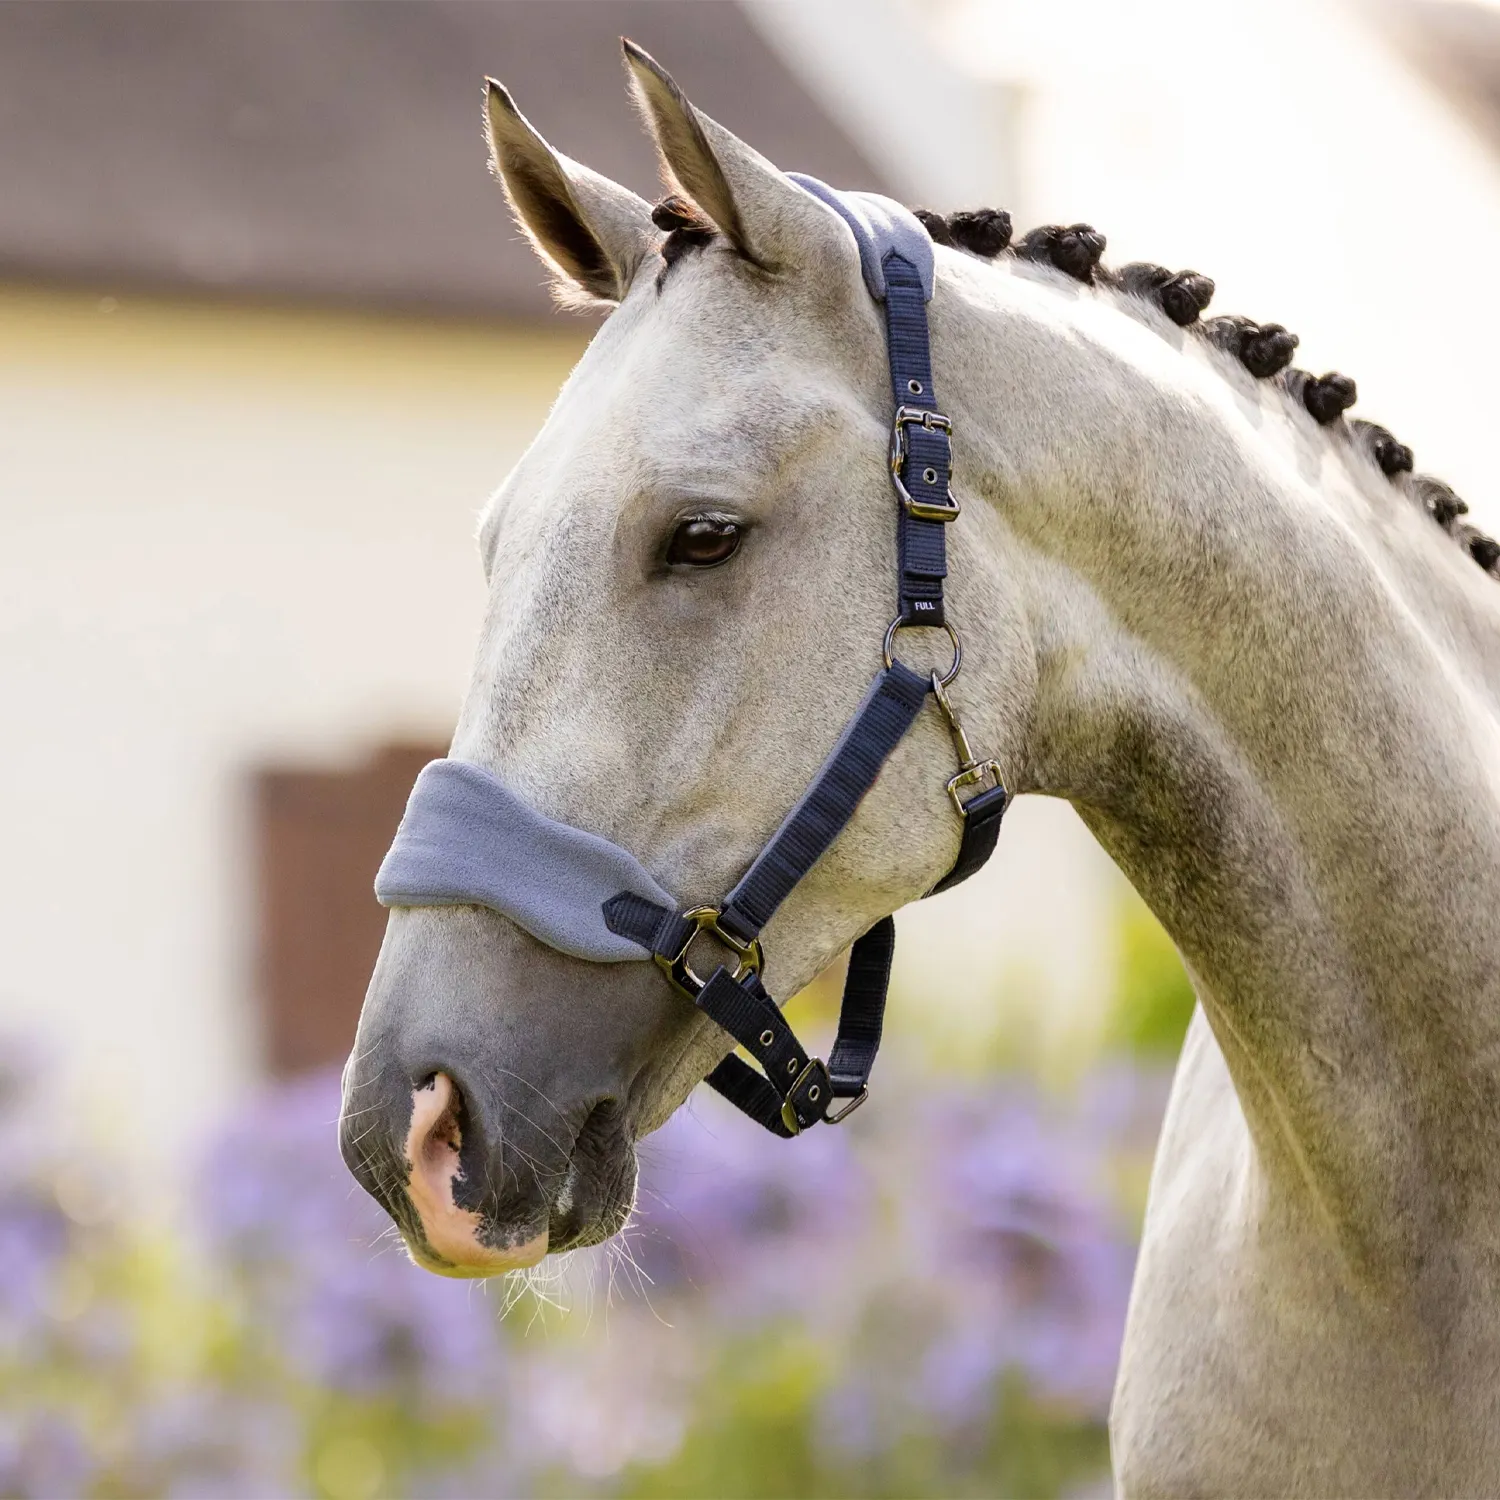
point(755, 205)
point(591, 232)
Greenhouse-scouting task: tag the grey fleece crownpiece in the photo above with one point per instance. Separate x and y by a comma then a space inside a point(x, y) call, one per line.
point(467, 840)
point(880, 225)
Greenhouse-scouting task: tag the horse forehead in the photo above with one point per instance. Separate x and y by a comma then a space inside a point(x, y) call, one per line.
point(707, 376)
point(666, 421)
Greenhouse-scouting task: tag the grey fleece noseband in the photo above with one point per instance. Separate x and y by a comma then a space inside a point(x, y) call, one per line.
point(467, 839)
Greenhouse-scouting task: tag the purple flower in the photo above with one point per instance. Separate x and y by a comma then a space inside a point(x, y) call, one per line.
point(34, 1239)
point(43, 1456)
point(1021, 1217)
point(759, 1223)
point(210, 1441)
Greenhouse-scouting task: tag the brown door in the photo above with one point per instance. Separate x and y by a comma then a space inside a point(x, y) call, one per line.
point(321, 836)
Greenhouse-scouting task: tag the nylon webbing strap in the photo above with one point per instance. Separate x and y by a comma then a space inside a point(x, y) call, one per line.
point(754, 1020)
point(922, 554)
point(791, 1079)
point(656, 928)
point(892, 704)
point(982, 816)
point(862, 1014)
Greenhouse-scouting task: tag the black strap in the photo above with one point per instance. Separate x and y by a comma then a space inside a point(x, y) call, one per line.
point(658, 929)
point(862, 1014)
point(743, 1008)
point(793, 1082)
point(922, 553)
point(749, 1092)
point(892, 704)
point(982, 816)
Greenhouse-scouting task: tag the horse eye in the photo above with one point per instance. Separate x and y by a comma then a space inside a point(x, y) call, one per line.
point(703, 543)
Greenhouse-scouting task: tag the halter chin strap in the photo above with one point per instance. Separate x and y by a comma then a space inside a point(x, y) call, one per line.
point(467, 839)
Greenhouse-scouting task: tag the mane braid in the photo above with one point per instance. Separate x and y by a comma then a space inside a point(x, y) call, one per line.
point(1264, 349)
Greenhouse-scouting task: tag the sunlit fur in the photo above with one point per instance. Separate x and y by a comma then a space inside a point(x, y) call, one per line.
point(1267, 682)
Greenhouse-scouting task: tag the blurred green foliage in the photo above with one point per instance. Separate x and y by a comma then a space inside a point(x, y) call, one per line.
point(1154, 1000)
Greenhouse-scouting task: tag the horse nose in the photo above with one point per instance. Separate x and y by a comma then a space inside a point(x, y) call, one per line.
point(453, 1239)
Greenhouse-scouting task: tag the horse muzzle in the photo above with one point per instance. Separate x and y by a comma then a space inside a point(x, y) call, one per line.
point(496, 1088)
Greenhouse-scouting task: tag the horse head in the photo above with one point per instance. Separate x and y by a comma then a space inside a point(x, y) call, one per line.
point(689, 577)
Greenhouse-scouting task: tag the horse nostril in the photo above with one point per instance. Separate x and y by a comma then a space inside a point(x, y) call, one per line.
point(435, 1139)
point(454, 1236)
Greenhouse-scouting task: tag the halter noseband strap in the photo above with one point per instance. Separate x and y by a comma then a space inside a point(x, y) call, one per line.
point(467, 839)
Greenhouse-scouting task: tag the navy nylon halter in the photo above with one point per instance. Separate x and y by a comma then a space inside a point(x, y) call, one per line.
point(790, 1089)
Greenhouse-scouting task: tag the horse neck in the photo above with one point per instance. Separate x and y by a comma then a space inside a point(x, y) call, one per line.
point(1269, 686)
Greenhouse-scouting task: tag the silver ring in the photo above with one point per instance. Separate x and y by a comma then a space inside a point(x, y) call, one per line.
point(887, 650)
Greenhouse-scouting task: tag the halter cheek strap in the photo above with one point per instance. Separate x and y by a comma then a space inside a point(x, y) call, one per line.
point(467, 839)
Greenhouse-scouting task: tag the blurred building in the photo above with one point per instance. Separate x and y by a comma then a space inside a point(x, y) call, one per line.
point(267, 339)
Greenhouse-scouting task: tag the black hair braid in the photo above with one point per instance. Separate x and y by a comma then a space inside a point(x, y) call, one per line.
point(1263, 349)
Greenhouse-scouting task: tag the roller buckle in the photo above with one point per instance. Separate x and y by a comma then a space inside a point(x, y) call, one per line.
point(944, 509)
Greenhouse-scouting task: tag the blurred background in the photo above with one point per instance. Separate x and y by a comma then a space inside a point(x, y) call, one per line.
point(267, 340)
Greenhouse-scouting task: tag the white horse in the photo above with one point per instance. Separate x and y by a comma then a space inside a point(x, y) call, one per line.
point(1214, 616)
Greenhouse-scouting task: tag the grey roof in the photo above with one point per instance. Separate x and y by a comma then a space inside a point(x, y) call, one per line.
point(331, 150)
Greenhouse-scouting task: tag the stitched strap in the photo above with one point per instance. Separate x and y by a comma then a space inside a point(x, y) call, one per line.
point(791, 1077)
point(656, 928)
point(890, 707)
point(922, 553)
point(982, 816)
point(862, 1014)
point(744, 1010)
point(749, 1092)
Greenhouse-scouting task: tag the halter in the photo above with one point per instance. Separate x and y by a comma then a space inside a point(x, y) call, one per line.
point(467, 839)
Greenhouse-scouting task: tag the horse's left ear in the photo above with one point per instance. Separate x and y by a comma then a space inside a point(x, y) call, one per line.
point(591, 232)
point(755, 205)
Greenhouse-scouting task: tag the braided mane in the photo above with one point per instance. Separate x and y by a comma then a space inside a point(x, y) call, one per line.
point(1264, 349)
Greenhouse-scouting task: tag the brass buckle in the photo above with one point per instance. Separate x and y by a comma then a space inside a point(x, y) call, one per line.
point(934, 421)
point(788, 1113)
point(888, 651)
point(706, 919)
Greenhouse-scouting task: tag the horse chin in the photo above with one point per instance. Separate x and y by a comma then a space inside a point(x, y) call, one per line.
point(598, 1192)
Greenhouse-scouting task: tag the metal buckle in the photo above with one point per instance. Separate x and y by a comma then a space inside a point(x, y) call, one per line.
point(971, 775)
point(706, 919)
point(887, 650)
point(945, 509)
point(788, 1113)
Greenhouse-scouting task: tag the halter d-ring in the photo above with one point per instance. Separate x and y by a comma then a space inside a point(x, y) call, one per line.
point(887, 649)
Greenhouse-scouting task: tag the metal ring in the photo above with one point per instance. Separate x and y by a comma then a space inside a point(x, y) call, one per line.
point(887, 650)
